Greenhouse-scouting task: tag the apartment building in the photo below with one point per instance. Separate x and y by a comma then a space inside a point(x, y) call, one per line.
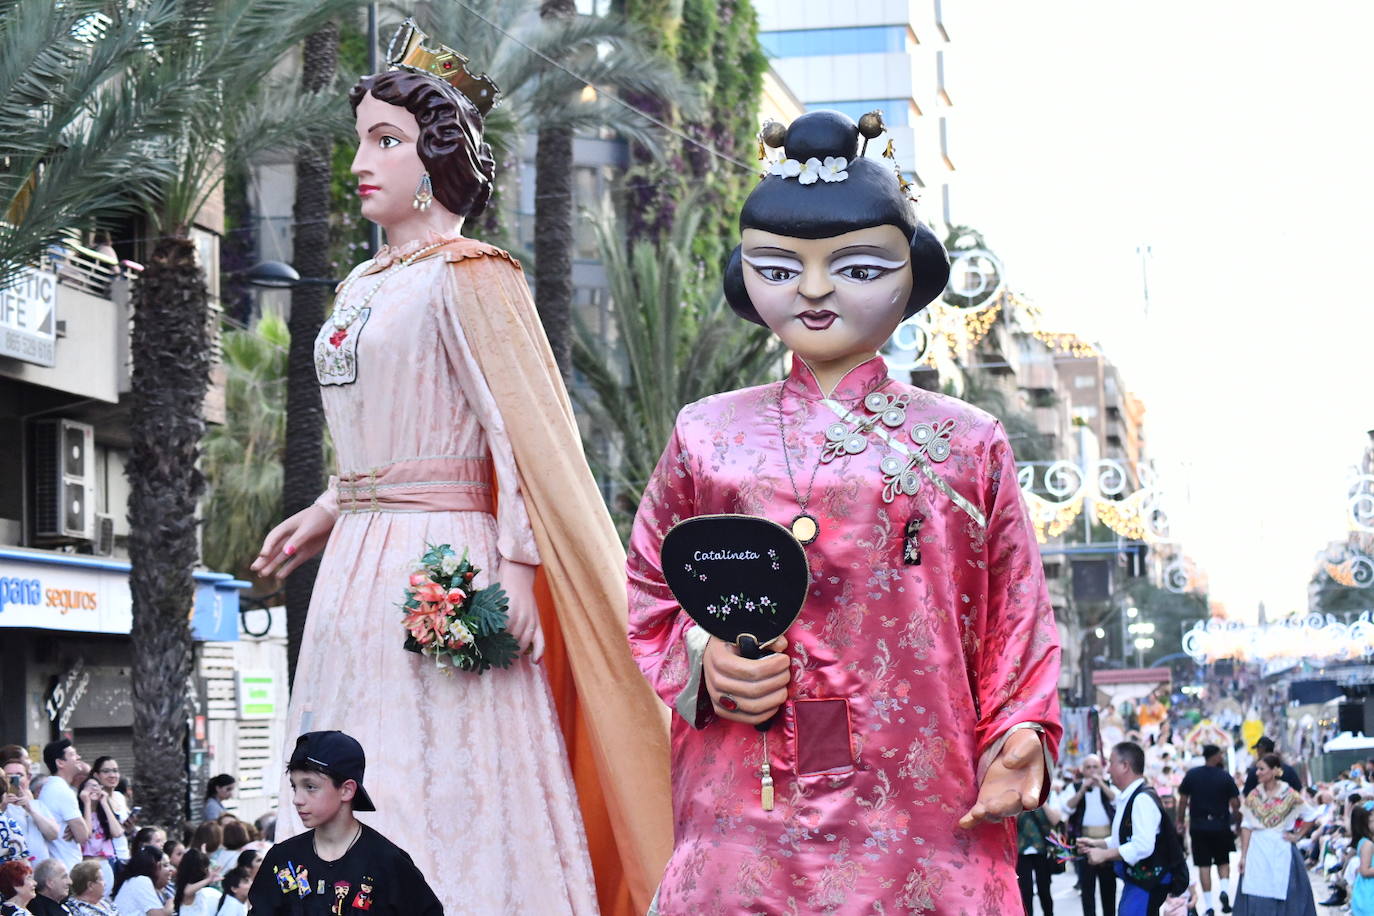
point(891, 55)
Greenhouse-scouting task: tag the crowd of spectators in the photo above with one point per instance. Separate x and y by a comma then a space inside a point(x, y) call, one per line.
point(72, 844)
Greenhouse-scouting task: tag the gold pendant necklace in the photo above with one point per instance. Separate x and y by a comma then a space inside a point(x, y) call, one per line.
point(805, 528)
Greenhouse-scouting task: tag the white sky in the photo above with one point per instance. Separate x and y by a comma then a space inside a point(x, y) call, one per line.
point(1234, 139)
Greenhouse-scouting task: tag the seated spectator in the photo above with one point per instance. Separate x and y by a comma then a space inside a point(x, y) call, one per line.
point(17, 888)
point(193, 895)
point(138, 891)
point(250, 860)
point(89, 891)
point(217, 792)
point(208, 838)
point(266, 827)
point(175, 850)
point(235, 900)
point(51, 883)
point(149, 836)
point(235, 838)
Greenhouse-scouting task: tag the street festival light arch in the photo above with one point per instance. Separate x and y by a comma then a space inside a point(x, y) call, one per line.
point(971, 304)
point(1314, 637)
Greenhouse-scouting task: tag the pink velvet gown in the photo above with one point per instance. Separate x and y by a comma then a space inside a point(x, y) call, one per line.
point(468, 773)
point(906, 678)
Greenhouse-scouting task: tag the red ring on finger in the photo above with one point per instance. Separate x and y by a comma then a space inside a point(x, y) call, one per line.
point(727, 702)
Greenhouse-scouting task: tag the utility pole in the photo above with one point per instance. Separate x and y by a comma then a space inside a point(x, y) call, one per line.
point(1145, 253)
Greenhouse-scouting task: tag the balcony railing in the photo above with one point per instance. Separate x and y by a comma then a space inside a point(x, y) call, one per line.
point(85, 268)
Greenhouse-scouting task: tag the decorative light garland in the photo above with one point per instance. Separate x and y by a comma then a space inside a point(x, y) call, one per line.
point(1314, 637)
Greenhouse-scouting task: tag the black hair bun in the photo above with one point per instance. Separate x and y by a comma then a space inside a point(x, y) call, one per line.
point(822, 133)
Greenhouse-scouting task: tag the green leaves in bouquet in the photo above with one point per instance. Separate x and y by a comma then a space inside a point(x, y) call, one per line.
point(486, 612)
point(498, 650)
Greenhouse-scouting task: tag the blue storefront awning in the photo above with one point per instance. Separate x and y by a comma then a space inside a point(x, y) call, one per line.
point(63, 591)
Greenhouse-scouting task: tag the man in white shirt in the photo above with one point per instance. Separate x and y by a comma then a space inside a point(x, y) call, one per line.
point(26, 825)
point(1144, 845)
point(1090, 810)
point(59, 795)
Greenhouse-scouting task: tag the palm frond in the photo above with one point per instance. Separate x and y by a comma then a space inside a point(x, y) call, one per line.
point(676, 341)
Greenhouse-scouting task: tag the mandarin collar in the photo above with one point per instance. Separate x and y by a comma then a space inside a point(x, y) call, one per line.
point(856, 383)
point(390, 254)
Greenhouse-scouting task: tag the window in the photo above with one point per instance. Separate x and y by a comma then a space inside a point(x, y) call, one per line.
point(876, 39)
point(1084, 381)
point(586, 201)
point(896, 112)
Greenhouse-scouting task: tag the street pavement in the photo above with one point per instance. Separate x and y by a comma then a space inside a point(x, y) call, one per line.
point(1068, 902)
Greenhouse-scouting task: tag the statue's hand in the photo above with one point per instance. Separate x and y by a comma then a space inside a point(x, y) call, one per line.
point(1013, 782)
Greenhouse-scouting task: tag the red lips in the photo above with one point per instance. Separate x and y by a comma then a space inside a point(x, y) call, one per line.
point(817, 319)
point(365, 189)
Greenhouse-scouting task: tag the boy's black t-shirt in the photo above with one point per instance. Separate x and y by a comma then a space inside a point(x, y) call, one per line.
point(375, 877)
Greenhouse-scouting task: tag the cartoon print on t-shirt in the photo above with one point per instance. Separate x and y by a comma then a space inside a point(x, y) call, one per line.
point(363, 900)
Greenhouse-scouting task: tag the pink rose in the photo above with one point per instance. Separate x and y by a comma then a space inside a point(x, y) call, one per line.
point(456, 596)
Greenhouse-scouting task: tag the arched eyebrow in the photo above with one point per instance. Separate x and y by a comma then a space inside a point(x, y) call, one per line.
point(378, 126)
point(880, 250)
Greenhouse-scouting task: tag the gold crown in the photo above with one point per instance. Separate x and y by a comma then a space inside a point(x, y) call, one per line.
point(409, 51)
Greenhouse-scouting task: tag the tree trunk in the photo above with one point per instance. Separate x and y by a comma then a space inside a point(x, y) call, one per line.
point(553, 224)
point(171, 367)
point(303, 462)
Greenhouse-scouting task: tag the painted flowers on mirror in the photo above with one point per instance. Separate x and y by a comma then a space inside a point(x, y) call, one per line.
point(446, 619)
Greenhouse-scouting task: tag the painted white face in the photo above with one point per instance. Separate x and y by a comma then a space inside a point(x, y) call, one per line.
point(388, 162)
point(829, 299)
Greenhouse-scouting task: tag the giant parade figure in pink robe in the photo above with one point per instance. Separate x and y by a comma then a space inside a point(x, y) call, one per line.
point(914, 698)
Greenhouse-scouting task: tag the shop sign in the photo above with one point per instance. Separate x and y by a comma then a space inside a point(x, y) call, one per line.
point(64, 598)
point(58, 594)
point(28, 317)
point(257, 695)
point(62, 700)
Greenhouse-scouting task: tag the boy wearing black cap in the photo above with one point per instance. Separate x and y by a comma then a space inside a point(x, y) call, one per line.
point(339, 866)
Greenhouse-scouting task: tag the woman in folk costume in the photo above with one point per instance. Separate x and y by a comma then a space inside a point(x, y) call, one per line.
point(452, 426)
point(915, 694)
point(1273, 876)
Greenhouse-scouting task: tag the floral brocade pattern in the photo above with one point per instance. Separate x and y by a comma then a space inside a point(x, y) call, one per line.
point(936, 662)
point(469, 774)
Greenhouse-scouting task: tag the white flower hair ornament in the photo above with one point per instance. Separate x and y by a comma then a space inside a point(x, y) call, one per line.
point(812, 170)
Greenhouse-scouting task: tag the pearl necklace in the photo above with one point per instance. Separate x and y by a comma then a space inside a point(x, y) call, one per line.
point(344, 317)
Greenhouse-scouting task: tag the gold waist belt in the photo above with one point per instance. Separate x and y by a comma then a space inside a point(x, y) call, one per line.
point(442, 484)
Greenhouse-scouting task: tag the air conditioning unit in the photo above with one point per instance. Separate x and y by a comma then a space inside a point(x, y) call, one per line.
point(63, 480)
point(104, 535)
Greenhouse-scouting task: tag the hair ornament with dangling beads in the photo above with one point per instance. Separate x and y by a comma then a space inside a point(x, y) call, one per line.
point(773, 135)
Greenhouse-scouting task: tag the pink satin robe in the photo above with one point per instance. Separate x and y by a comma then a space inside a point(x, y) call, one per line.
point(930, 665)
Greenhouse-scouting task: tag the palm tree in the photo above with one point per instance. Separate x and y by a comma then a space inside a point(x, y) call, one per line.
point(77, 124)
point(242, 458)
point(514, 41)
point(219, 54)
point(553, 214)
point(676, 340)
point(303, 476)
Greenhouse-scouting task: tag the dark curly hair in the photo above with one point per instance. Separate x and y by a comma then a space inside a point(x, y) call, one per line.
point(461, 166)
point(869, 197)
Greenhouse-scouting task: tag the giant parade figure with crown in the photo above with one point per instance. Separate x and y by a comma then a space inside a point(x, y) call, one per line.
point(835, 586)
point(513, 747)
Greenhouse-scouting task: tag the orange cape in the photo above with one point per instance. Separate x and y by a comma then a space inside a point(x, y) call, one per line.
point(614, 726)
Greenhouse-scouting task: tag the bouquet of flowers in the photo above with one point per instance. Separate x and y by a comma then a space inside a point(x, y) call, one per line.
point(450, 622)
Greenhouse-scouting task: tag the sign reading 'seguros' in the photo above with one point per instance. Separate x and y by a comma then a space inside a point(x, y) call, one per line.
point(28, 317)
